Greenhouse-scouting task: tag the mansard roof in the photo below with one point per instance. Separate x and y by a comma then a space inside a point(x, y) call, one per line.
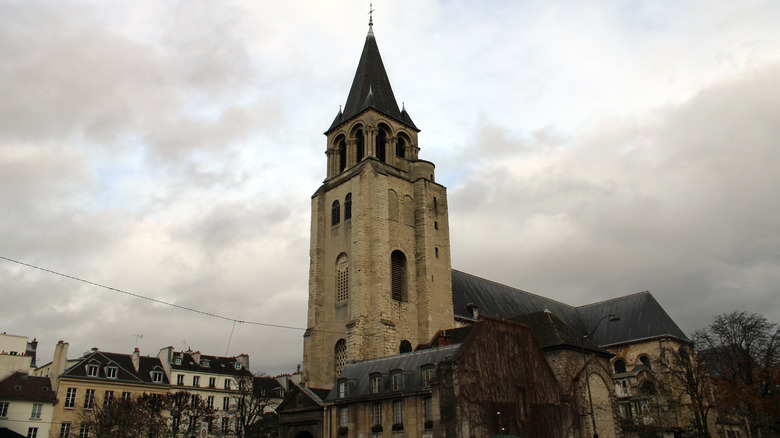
point(641, 317)
point(20, 386)
point(124, 364)
point(208, 364)
point(371, 89)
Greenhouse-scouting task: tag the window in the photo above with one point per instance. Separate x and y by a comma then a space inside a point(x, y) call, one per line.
point(212, 382)
point(32, 432)
point(381, 139)
point(405, 347)
point(195, 380)
point(157, 376)
point(340, 355)
point(344, 416)
point(205, 363)
point(70, 398)
point(3, 409)
point(237, 365)
point(36, 411)
point(620, 366)
point(398, 412)
point(177, 361)
point(335, 213)
point(111, 372)
point(348, 207)
point(226, 403)
point(194, 400)
point(210, 402)
point(92, 370)
point(227, 383)
point(400, 147)
point(180, 379)
point(108, 397)
point(396, 381)
point(125, 396)
point(225, 425)
point(84, 431)
point(342, 278)
point(428, 408)
point(360, 149)
point(89, 399)
point(376, 384)
point(436, 251)
point(342, 155)
point(65, 430)
point(427, 376)
point(343, 389)
point(377, 413)
point(398, 275)
point(646, 362)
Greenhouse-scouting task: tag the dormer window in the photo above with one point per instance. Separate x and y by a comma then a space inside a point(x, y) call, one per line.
point(111, 372)
point(92, 370)
point(237, 365)
point(427, 375)
point(177, 361)
point(205, 363)
point(343, 389)
point(376, 383)
point(157, 376)
point(397, 385)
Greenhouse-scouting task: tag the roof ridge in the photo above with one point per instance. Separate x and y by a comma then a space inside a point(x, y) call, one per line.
point(409, 354)
point(644, 292)
point(515, 288)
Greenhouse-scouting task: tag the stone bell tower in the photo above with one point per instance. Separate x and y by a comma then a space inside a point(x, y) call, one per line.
point(379, 279)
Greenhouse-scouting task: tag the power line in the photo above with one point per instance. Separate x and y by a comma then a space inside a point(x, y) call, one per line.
point(179, 306)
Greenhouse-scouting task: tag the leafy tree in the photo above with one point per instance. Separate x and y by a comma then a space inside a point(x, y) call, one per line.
point(126, 418)
point(742, 351)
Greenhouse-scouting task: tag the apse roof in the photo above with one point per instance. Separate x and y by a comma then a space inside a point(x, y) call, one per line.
point(371, 88)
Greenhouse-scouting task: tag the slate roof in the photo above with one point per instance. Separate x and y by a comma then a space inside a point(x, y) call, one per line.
point(371, 89)
point(125, 370)
point(8, 433)
point(216, 364)
point(552, 333)
point(641, 317)
point(20, 386)
point(358, 373)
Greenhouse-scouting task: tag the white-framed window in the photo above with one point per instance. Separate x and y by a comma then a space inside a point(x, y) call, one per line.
point(195, 380)
point(92, 370)
point(177, 360)
point(125, 396)
point(376, 384)
point(212, 382)
point(376, 413)
point(205, 363)
point(32, 432)
point(108, 397)
point(3, 409)
point(227, 383)
point(89, 399)
point(65, 430)
point(210, 402)
point(157, 376)
point(226, 403)
point(180, 379)
point(36, 411)
point(70, 398)
point(237, 365)
point(398, 412)
point(397, 381)
point(343, 416)
point(111, 372)
point(343, 389)
point(427, 376)
point(84, 431)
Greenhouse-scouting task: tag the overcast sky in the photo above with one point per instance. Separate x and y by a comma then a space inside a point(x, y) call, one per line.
point(591, 149)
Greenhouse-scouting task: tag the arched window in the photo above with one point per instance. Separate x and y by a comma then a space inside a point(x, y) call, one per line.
point(406, 347)
point(647, 388)
point(398, 275)
point(348, 207)
point(400, 147)
point(342, 278)
point(340, 354)
point(620, 366)
point(342, 155)
point(359, 145)
point(645, 360)
point(335, 213)
point(381, 139)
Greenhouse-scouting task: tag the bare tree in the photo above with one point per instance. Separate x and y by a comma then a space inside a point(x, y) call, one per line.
point(185, 412)
point(126, 418)
point(742, 352)
point(252, 408)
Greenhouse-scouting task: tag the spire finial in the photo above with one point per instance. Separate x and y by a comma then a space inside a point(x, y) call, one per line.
point(371, 13)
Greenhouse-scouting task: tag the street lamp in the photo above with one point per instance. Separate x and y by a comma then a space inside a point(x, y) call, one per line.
point(612, 318)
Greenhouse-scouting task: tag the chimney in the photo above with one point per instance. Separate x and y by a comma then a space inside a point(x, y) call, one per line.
point(196, 357)
point(136, 359)
point(166, 357)
point(243, 359)
point(58, 363)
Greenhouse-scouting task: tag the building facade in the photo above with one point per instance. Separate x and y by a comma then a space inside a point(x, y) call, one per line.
point(27, 404)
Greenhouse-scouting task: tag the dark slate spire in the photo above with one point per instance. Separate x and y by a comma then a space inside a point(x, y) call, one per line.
point(371, 88)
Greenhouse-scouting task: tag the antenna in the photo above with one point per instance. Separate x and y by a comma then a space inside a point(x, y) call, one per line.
point(138, 338)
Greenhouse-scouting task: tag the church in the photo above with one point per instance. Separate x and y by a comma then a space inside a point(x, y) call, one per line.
point(400, 344)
